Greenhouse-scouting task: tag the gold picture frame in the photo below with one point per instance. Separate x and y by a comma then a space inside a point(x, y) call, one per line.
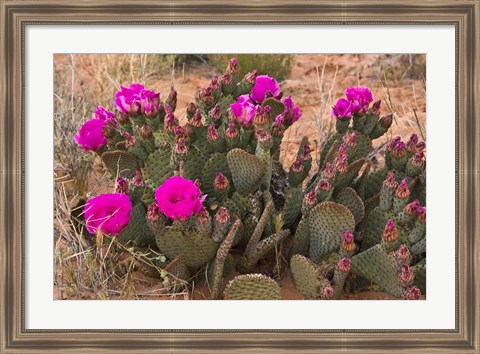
point(17, 14)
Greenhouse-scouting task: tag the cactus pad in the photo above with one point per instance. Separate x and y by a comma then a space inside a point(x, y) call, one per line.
point(247, 170)
point(420, 271)
point(197, 248)
point(252, 287)
point(327, 222)
point(276, 106)
point(301, 241)
point(157, 168)
point(378, 267)
point(137, 230)
point(216, 163)
point(123, 163)
point(307, 276)
point(292, 206)
point(353, 202)
point(194, 164)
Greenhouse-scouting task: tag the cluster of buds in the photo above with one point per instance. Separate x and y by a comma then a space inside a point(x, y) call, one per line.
point(341, 161)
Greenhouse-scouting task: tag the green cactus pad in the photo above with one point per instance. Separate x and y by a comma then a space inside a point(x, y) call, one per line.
point(232, 207)
point(276, 106)
point(301, 241)
point(247, 170)
point(216, 163)
point(419, 247)
point(148, 196)
point(137, 230)
point(353, 202)
point(177, 269)
point(378, 267)
point(121, 163)
point(307, 276)
point(327, 222)
point(252, 287)
point(420, 271)
point(194, 164)
point(197, 248)
point(343, 180)
point(330, 149)
point(374, 181)
point(293, 206)
point(157, 168)
point(364, 145)
point(374, 226)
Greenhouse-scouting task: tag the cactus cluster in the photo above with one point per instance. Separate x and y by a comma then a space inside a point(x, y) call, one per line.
point(215, 183)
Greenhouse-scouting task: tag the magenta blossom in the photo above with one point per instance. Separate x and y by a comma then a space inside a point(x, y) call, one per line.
point(263, 85)
point(105, 115)
point(149, 102)
point(243, 110)
point(291, 113)
point(342, 109)
point(90, 136)
point(128, 99)
point(108, 213)
point(360, 97)
point(178, 198)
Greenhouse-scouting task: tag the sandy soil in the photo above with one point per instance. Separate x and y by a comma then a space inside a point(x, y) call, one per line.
point(316, 82)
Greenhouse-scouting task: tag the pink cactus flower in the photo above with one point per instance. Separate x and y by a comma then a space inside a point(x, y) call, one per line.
point(108, 213)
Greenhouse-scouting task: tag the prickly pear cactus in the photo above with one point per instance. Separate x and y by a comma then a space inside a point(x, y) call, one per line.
point(252, 287)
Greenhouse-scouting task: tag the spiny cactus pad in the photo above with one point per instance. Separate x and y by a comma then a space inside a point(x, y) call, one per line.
point(353, 202)
point(137, 230)
point(327, 222)
point(247, 170)
point(293, 206)
point(194, 164)
point(157, 168)
point(378, 267)
point(308, 276)
point(420, 271)
point(121, 163)
point(252, 287)
point(197, 248)
point(216, 163)
point(301, 241)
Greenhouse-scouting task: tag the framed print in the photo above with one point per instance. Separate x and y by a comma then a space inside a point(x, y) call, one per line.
point(216, 153)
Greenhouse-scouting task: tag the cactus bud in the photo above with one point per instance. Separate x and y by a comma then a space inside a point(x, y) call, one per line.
point(232, 131)
point(123, 119)
point(197, 183)
point(417, 159)
point(108, 131)
point(413, 293)
point(350, 139)
point(412, 143)
point(137, 180)
point(251, 77)
point(197, 119)
point(402, 191)
point(154, 213)
point(297, 166)
point(390, 233)
point(406, 275)
point(122, 186)
point(328, 171)
point(226, 79)
point(386, 121)
point(348, 243)
point(375, 110)
point(341, 163)
point(191, 109)
point(323, 185)
point(278, 129)
point(398, 151)
point(170, 123)
point(403, 254)
point(130, 139)
point(306, 152)
point(212, 133)
point(221, 182)
point(327, 293)
point(214, 84)
point(202, 216)
point(179, 132)
point(262, 115)
point(205, 96)
point(222, 216)
point(232, 67)
point(422, 214)
point(344, 264)
point(146, 132)
point(180, 147)
point(264, 139)
point(390, 182)
point(411, 208)
point(421, 146)
point(172, 99)
point(216, 112)
point(311, 197)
